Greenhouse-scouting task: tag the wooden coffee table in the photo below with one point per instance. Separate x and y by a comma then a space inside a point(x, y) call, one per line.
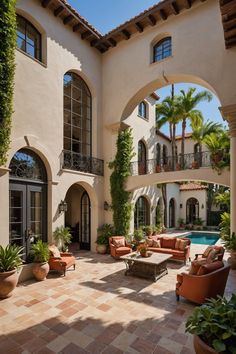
point(153, 267)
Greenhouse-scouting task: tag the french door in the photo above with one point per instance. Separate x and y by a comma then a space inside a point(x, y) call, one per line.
point(27, 214)
point(85, 222)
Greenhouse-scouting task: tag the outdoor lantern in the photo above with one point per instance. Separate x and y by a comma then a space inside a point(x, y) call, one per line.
point(106, 206)
point(63, 206)
point(202, 206)
point(181, 206)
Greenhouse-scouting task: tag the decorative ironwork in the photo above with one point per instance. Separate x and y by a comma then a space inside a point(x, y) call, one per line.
point(25, 164)
point(78, 162)
point(174, 163)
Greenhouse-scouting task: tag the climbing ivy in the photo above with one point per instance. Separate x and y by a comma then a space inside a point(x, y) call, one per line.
point(7, 70)
point(121, 205)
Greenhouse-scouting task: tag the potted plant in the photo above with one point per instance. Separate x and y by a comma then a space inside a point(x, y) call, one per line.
point(10, 261)
point(154, 230)
point(143, 250)
point(104, 232)
point(229, 241)
point(158, 168)
point(138, 235)
point(197, 224)
point(214, 327)
point(148, 230)
point(62, 236)
point(195, 165)
point(178, 167)
point(181, 223)
point(40, 254)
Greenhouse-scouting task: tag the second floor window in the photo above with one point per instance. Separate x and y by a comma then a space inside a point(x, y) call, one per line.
point(28, 38)
point(142, 110)
point(162, 49)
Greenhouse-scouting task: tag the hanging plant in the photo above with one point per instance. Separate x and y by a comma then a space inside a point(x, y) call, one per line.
point(7, 70)
point(121, 204)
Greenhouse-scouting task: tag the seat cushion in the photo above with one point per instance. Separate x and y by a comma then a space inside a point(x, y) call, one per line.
point(177, 253)
point(162, 250)
point(213, 255)
point(196, 265)
point(168, 242)
point(122, 250)
point(210, 267)
point(183, 244)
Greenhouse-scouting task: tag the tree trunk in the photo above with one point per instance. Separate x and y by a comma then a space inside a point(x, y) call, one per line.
point(183, 142)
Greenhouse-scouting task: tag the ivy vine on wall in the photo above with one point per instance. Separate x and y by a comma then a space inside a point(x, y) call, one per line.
point(121, 204)
point(7, 70)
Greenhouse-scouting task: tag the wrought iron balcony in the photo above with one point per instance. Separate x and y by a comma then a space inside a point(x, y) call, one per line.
point(77, 162)
point(178, 163)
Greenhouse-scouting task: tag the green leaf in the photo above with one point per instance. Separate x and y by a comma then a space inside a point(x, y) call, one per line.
point(218, 345)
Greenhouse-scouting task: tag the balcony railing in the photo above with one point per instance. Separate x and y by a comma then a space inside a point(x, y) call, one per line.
point(81, 163)
point(176, 163)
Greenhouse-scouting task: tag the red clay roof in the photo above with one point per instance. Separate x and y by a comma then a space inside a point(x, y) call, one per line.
point(187, 136)
point(192, 187)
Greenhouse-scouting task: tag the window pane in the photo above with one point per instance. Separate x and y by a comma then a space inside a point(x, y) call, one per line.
point(162, 49)
point(67, 116)
point(30, 50)
point(21, 43)
point(67, 103)
point(67, 130)
point(76, 107)
point(76, 120)
point(29, 34)
point(76, 94)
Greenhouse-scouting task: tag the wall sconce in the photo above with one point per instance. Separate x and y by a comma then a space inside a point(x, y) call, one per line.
point(202, 206)
point(181, 206)
point(62, 206)
point(106, 206)
point(152, 207)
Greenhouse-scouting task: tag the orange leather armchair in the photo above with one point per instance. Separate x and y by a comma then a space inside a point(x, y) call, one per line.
point(60, 261)
point(219, 253)
point(198, 288)
point(119, 246)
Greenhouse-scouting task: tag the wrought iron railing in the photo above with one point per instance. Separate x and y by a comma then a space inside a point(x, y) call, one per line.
point(78, 162)
point(176, 163)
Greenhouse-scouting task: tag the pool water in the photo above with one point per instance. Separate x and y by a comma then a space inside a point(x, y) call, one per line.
point(203, 238)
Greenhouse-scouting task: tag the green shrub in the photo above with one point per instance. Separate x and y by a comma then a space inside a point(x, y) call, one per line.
point(10, 258)
point(40, 252)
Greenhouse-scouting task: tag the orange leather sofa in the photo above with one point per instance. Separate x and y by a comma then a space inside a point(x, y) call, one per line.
point(60, 261)
point(209, 282)
point(119, 246)
point(170, 246)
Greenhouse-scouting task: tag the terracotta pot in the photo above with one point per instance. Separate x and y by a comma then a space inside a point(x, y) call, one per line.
point(101, 249)
point(8, 282)
point(201, 347)
point(40, 271)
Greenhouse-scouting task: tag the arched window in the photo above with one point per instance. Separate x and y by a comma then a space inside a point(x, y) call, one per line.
point(158, 148)
point(142, 109)
point(172, 213)
point(162, 49)
point(77, 116)
point(192, 210)
point(142, 158)
point(165, 155)
point(141, 213)
point(28, 38)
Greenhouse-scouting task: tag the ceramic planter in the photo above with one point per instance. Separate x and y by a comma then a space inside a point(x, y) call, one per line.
point(201, 347)
point(40, 271)
point(8, 282)
point(101, 249)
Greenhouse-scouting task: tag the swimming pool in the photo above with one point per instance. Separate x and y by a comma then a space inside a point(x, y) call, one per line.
point(203, 238)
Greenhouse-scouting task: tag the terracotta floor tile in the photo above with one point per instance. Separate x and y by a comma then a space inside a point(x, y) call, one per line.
point(73, 349)
point(104, 307)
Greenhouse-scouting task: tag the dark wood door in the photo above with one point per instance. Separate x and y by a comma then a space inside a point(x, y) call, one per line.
point(85, 236)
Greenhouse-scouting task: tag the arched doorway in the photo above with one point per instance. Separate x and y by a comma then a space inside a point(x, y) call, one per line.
point(192, 210)
point(142, 158)
point(78, 215)
point(141, 213)
point(28, 199)
point(172, 213)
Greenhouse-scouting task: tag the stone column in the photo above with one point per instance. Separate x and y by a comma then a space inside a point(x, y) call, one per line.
point(229, 114)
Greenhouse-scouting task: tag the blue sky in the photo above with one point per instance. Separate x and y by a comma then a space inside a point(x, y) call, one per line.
point(105, 15)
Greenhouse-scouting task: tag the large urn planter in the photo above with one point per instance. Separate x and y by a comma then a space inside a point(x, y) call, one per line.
point(201, 347)
point(40, 271)
point(101, 249)
point(232, 260)
point(8, 282)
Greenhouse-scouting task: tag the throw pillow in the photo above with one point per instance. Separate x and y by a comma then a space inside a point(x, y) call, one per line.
point(156, 243)
point(168, 242)
point(207, 251)
point(212, 256)
point(177, 243)
point(196, 265)
point(150, 242)
point(120, 242)
point(54, 251)
point(183, 244)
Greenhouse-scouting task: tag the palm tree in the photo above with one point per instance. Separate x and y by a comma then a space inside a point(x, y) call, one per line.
point(166, 112)
point(200, 130)
point(186, 109)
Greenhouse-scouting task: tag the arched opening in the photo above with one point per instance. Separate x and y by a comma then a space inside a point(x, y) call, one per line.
point(142, 158)
point(141, 212)
point(78, 215)
point(172, 213)
point(192, 210)
point(28, 199)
